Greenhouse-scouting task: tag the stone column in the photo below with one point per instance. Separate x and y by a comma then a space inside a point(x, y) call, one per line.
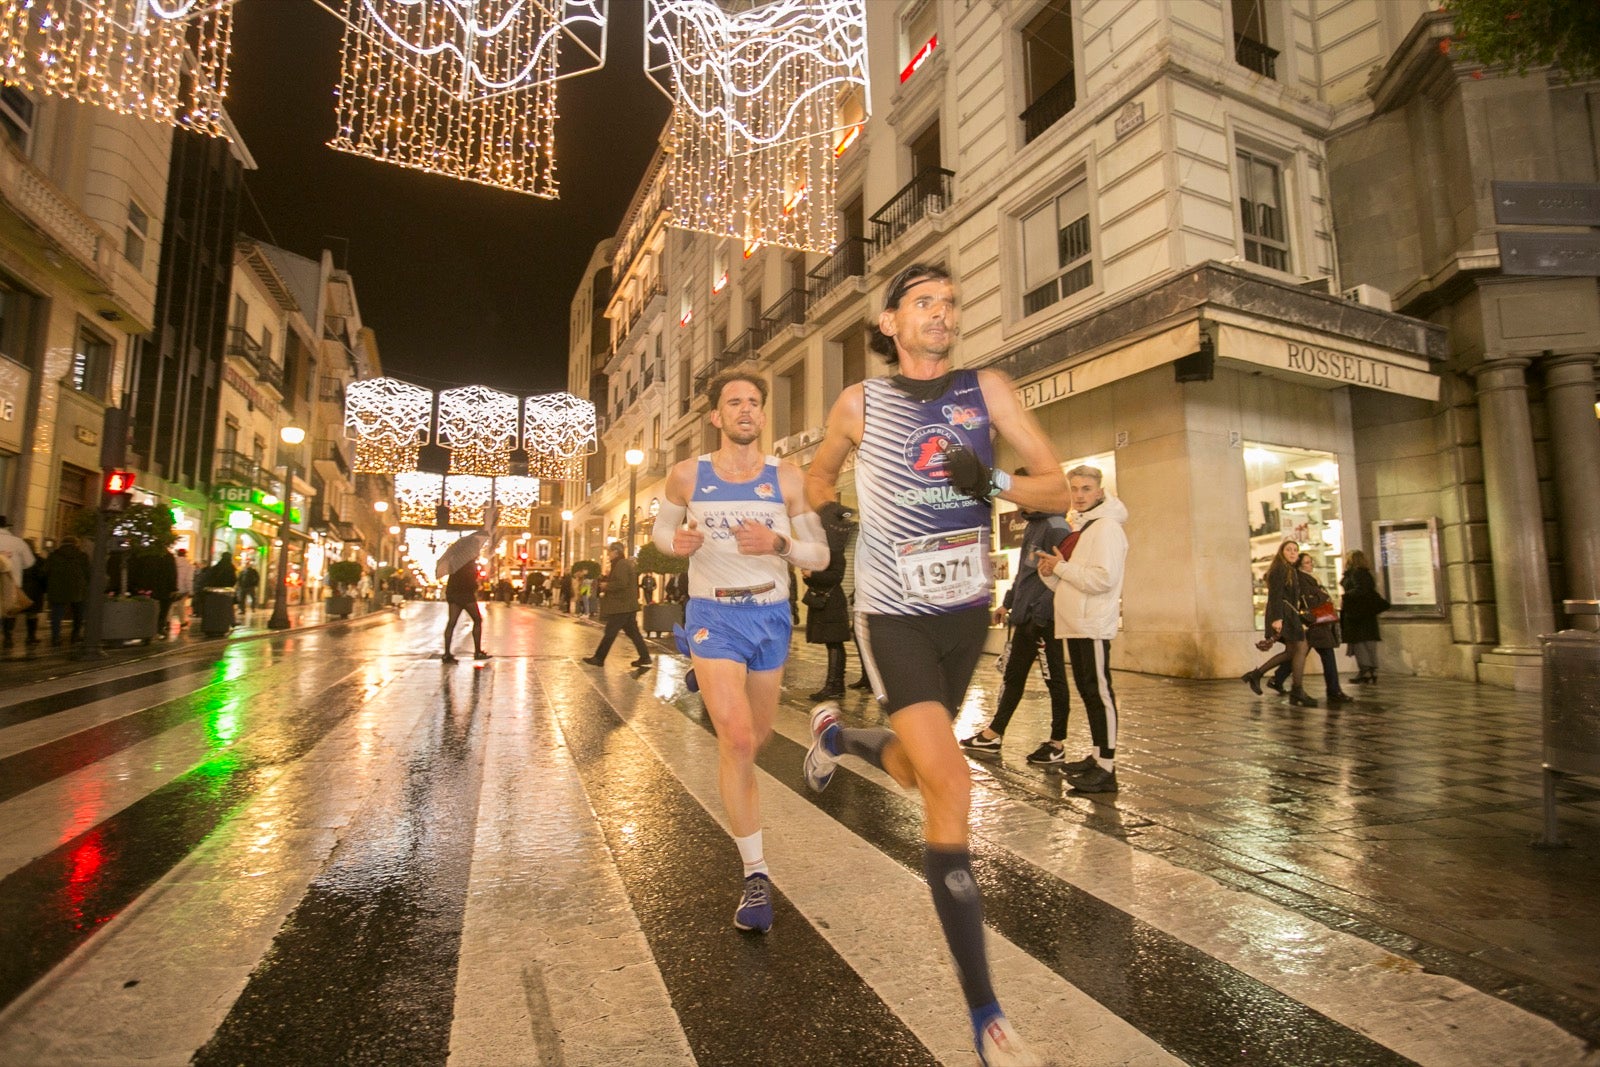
point(1575, 448)
point(1516, 526)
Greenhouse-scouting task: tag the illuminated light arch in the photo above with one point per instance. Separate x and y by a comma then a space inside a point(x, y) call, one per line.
point(417, 495)
point(515, 497)
point(558, 433)
point(466, 496)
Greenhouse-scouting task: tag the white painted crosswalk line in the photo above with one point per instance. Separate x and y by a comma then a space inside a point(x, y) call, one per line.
point(553, 967)
point(153, 984)
point(879, 917)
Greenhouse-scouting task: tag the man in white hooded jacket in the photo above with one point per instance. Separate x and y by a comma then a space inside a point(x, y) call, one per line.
point(1086, 574)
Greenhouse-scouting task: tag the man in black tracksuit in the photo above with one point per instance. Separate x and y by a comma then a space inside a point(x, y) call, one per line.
point(1031, 609)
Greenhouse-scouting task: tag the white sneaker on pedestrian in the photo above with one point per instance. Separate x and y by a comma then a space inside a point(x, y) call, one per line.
point(1002, 1047)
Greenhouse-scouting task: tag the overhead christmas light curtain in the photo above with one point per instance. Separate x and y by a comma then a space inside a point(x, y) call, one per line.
point(559, 433)
point(389, 420)
point(463, 88)
point(515, 497)
point(162, 60)
point(757, 101)
point(479, 427)
point(417, 495)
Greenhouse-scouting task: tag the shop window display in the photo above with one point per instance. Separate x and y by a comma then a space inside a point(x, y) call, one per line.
point(1292, 494)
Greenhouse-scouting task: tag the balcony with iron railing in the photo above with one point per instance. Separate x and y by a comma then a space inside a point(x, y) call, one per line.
point(270, 373)
point(241, 344)
point(1050, 106)
point(714, 367)
point(332, 450)
point(848, 260)
point(788, 310)
point(1254, 55)
point(745, 346)
point(235, 468)
point(932, 190)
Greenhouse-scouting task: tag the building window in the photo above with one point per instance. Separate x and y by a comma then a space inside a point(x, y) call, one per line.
point(16, 116)
point(1056, 250)
point(230, 434)
point(91, 364)
point(544, 524)
point(75, 491)
point(1048, 68)
point(919, 37)
point(1266, 235)
point(135, 235)
point(1250, 38)
point(266, 345)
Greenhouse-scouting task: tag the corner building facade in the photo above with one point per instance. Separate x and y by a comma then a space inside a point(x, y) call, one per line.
point(1168, 227)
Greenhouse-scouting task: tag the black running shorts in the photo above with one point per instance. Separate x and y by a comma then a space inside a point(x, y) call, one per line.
point(914, 659)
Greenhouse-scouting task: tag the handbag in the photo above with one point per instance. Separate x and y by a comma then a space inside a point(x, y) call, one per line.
point(816, 599)
point(13, 601)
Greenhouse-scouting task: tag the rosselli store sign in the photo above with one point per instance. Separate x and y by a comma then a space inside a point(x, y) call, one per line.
point(1335, 363)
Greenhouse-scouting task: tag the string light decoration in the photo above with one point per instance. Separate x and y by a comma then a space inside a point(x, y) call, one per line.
point(417, 495)
point(466, 495)
point(479, 427)
point(389, 420)
point(515, 497)
point(161, 60)
point(463, 88)
point(757, 101)
point(558, 433)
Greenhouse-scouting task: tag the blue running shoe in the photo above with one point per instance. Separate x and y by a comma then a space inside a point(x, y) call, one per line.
point(820, 762)
point(755, 907)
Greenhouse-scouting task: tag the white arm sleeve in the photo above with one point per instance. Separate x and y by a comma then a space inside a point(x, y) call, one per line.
point(808, 545)
point(668, 518)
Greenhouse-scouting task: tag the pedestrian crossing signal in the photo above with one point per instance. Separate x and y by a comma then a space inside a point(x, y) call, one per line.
point(114, 490)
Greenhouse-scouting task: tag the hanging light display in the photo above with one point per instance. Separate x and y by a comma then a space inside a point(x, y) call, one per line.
point(515, 497)
point(463, 89)
point(466, 495)
point(758, 98)
point(162, 60)
point(417, 495)
point(388, 419)
point(559, 433)
point(479, 427)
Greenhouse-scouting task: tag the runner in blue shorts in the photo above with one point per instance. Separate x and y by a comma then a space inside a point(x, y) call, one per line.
point(741, 518)
point(924, 479)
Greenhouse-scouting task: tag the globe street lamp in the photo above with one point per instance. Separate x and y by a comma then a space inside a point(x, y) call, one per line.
point(635, 458)
point(292, 436)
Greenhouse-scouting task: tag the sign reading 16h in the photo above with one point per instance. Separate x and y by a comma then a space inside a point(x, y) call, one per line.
point(233, 494)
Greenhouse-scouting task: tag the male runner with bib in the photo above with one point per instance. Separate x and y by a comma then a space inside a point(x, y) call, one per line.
point(924, 481)
point(748, 522)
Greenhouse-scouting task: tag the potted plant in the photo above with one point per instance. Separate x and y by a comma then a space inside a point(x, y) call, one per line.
point(140, 571)
point(662, 616)
point(342, 576)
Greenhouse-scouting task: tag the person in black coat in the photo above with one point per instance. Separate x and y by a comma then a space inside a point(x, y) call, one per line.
point(1359, 611)
point(1321, 637)
point(827, 612)
point(1283, 624)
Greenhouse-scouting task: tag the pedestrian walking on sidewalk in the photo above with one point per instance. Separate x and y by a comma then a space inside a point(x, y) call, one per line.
point(1321, 637)
point(827, 607)
point(1359, 609)
point(619, 607)
point(249, 594)
point(1029, 611)
point(1283, 624)
point(1086, 571)
point(16, 557)
point(184, 587)
point(925, 483)
point(67, 587)
point(458, 565)
point(748, 523)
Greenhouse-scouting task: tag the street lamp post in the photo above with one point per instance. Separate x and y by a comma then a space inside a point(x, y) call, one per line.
point(566, 533)
point(635, 458)
point(292, 436)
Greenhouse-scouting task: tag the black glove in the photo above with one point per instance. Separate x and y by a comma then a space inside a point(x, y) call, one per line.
point(968, 474)
point(835, 515)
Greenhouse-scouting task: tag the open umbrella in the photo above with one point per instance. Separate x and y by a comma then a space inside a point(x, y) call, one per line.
point(460, 553)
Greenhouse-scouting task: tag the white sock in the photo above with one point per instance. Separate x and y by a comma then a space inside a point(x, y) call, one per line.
point(1105, 764)
point(755, 862)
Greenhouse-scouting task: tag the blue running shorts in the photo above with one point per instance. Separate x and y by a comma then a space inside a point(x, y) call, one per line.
point(756, 635)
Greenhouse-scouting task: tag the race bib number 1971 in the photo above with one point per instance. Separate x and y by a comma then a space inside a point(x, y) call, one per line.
point(943, 568)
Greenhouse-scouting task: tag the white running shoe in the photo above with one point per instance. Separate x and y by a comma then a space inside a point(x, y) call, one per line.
point(820, 763)
point(1002, 1047)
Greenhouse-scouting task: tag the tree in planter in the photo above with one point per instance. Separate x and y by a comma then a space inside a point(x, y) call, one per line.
point(343, 576)
point(140, 536)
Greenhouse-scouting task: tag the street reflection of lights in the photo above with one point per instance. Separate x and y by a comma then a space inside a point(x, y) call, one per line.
point(629, 829)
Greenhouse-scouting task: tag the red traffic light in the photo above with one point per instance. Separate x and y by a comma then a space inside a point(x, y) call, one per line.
point(118, 481)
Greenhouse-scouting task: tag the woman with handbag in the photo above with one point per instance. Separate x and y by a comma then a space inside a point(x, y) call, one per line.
point(1284, 624)
point(1322, 631)
point(1361, 606)
point(827, 614)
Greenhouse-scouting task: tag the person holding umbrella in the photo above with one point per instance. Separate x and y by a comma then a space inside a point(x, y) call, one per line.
point(458, 565)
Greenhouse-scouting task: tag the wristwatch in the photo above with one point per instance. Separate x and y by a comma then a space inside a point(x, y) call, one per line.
point(999, 482)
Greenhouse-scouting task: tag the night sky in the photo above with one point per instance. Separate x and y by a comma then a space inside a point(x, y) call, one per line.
point(462, 283)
